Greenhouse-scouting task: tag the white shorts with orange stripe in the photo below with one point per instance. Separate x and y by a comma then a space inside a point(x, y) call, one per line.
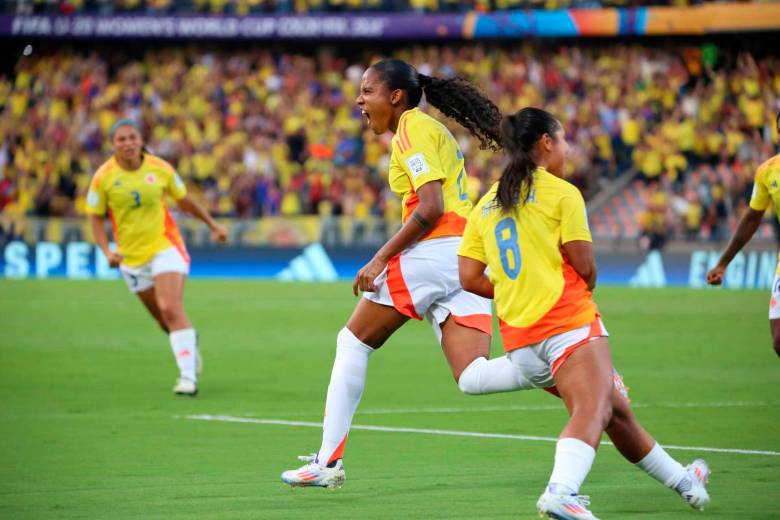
point(774, 301)
point(423, 282)
point(141, 278)
point(540, 361)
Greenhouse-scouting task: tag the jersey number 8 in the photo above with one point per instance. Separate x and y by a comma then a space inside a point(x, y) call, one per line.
point(507, 242)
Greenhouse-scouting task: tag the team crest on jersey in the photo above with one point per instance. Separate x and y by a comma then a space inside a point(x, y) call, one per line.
point(150, 179)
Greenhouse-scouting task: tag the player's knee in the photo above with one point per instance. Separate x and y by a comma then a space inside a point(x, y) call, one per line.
point(469, 378)
point(171, 312)
point(776, 344)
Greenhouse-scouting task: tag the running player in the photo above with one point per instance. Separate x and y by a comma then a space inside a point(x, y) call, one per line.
point(130, 188)
point(531, 231)
point(766, 191)
point(415, 274)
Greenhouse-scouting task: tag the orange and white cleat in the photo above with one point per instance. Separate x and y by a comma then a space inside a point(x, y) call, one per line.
point(314, 474)
point(564, 506)
point(692, 488)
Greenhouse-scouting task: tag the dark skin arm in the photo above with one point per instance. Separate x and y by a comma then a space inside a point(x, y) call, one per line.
point(473, 278)
point(580, 256)
point(746, 228)
point(428, 211)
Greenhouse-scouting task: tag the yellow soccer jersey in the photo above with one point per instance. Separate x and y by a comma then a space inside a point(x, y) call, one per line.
point(135, 204)
point(766, 189)
point(424, 151)
point(537, 293)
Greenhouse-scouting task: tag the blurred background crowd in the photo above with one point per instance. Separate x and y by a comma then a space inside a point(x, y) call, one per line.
point(250, 7)
point(258, 132)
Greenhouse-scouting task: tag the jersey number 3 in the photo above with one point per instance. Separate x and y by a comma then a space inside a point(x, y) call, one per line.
point(507, 241)
point(136, 199)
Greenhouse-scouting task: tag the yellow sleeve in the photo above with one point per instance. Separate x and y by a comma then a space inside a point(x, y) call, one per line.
point(96, 196)
point(759, 200)
point(574, 217)
point(175, 186)
point(471, 245)
point(421, 160)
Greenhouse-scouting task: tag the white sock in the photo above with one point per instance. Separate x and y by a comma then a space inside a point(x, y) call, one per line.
point(659, 465)
point(346, 386)
point(573, 459)
point(485, 376)
point(184, 344)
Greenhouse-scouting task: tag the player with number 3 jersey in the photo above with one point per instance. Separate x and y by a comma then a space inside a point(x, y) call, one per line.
point(130, 188)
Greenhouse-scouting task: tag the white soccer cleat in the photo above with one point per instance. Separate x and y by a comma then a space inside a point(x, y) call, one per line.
point(564, 507)
point(314, 474)
point(185, 387)
point(692, 487)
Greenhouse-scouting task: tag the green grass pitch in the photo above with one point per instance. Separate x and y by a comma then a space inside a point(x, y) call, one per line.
point(90, 428)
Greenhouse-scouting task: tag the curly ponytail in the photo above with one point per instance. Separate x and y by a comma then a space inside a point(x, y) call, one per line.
point(456, 98)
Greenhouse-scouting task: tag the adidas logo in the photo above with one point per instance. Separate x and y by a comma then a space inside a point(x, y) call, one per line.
point(312, 265)
point(650, 273)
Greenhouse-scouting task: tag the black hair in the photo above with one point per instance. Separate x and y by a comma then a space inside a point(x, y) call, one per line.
point(519, 133)
point(456, 98)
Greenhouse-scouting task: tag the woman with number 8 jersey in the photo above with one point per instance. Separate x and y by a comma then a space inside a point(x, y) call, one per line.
point(531, 231)
point(130, 188)
point(415, 274)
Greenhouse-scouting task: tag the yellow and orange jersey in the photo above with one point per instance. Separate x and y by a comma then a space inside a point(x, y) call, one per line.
point(537, 292)
point(766, 189)
point(424, 151)
point(134, 200)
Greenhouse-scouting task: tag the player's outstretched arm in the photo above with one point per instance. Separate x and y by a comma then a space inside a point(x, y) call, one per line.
point(580, 255)
point(188, 204)
point(101, 239)
point(746, 228)
point(473, 278)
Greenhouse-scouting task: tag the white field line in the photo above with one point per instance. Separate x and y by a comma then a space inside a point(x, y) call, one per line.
point(452, 433)
point(534, 408)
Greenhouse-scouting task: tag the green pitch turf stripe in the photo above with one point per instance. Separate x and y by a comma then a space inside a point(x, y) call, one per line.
point(455, 433)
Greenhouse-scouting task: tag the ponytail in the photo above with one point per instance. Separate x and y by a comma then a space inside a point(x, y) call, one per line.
point(456, 98)
point(519, 133)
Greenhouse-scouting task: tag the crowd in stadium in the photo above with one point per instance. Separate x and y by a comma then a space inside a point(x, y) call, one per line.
point(257, 133)
point(254, 7)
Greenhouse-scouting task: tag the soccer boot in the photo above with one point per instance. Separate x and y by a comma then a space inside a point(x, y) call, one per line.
point(564, 506)
point(185, 387)
point(692, 488)
point(314, 474)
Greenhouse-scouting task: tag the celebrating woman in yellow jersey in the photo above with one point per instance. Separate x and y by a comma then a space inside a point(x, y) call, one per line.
point(531, 231)
point(130, 188)
point(415, 274)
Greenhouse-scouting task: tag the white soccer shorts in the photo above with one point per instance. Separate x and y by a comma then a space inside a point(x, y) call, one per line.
point(141, 278)
point(540, 361)
point(774, 301)
point(423, 282)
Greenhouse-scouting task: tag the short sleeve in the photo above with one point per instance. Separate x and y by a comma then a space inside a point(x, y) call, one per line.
point(421, 158)
point(175, 186)
point(759, 200)
point(574, 218)
point(96, 197)
point(471, 245)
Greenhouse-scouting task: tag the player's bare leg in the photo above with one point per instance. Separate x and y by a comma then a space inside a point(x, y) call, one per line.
point(640, 448)
point(149, 299)
point(370, 325)
point(585, 383)
point(774, 327)
point(169, 295)
point(468, 353)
